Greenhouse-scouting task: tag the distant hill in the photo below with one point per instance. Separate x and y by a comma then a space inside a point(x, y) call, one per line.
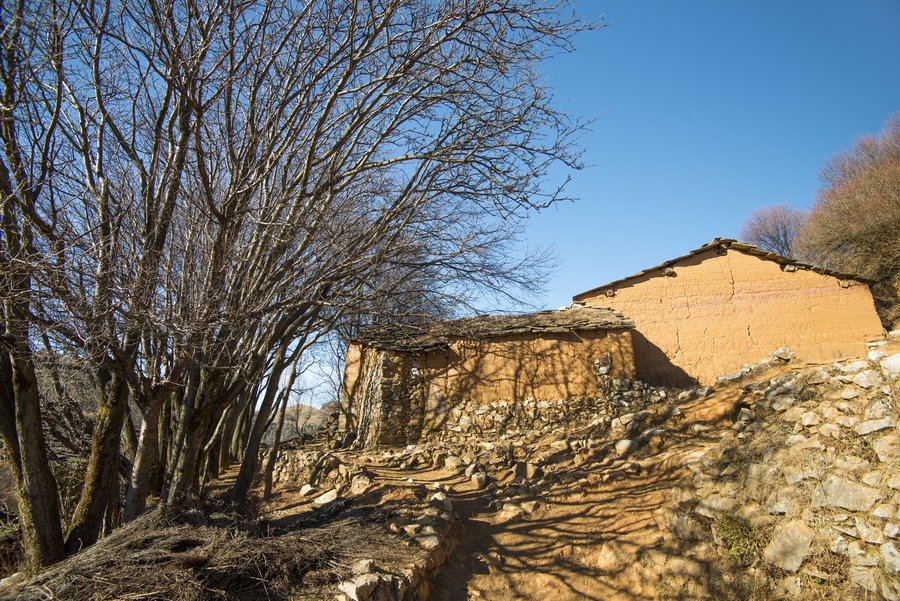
point(298, 419)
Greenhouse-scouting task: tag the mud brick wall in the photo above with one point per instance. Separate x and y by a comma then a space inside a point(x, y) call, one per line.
point(712, 313)
point(394, 398)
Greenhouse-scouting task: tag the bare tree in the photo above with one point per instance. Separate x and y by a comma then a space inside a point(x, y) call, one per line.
point(192, 194)
point(854, 225)
point(774, 229)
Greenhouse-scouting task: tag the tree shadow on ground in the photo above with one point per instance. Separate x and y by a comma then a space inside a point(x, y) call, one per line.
point(594, 534)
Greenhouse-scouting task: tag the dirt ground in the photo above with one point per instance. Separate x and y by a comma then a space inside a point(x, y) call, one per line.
point(582, 527)
point(555, 551)
point(551, 537)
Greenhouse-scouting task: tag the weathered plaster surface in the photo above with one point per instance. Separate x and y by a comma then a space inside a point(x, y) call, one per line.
point(396, 397)
point(531, 366)
point(719, 312)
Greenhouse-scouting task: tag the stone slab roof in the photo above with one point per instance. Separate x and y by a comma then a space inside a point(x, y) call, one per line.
point(438, 335)
point(724, 244)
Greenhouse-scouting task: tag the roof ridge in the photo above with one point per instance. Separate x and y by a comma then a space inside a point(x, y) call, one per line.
point(479, 327)
point(729, 243)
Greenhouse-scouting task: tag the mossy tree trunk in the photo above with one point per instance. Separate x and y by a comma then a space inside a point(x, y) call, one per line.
point(102, 475)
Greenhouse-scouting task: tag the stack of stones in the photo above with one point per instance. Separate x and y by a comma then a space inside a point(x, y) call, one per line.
point(810, 477)
point(430, 532)
point(471, 421)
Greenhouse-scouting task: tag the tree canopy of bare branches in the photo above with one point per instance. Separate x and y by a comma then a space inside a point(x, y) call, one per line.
point(855, 223)
point(774, 229)
point(193, 194)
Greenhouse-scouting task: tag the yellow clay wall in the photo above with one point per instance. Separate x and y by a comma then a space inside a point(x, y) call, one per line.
point(394, 397)
point(720, 312)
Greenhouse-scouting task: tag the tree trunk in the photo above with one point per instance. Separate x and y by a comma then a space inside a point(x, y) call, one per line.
point(129, 437)
point(177, 442)
point(102, 470)
point(246, 427)
point(244, 415)
point(185, 479)
point(251, 451)
point(113, 516)
point(36, 490)
point(146, 461)
point(225, 455)
point(273, 453)
point(165, 435)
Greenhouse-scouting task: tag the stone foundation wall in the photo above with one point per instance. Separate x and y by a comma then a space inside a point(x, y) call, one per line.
point(471, 421)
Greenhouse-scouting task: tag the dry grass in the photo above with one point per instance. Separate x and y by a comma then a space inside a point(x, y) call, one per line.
point(740, 540)
point(190, 555)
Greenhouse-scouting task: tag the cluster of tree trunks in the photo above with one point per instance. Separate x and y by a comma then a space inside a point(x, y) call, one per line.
point(192, 197)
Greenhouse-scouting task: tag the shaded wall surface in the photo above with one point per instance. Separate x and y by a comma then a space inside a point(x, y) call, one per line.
point(721, 311)
point(396, 397)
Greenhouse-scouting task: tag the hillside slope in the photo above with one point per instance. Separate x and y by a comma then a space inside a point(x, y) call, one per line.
point(780, 482)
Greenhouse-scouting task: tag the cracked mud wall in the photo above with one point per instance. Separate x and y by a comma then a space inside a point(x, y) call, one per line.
point(391, 398)
point(718, 312)
point(544, 367)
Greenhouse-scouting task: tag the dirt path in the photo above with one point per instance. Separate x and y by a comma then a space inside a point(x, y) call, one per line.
point(580, 530)
point(592, 532)
point(552, 553)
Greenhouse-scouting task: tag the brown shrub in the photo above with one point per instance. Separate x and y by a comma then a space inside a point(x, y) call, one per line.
point(854, 225)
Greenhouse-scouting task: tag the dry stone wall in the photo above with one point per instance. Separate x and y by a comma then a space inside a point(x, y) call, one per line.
point(471, 421)
point(807, 480)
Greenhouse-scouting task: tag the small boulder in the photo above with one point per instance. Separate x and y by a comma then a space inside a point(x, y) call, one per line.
point(865, 577)
point(479, 480)
point(841, 492)
point(849, 393)
point(360, 484)
point(887, 448)
point(854, 366)
point(874, 425)
point(714, 505)
point(361, 587)
point(784, 354)
point(328, 497)
point(783, 501)
point(867, 379)
point(440, 499)
point(526, 471)
point(891, 557)
point(613, 557)
point(810, 418)
point(789, 545)
point(891, 366)
point(453, 463)
point(871, 533)
point(878, 409)
point(364, 566)
point(875, 356)
point(625, 447)
point(817, 376)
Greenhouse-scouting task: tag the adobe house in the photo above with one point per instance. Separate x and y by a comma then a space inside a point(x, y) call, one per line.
point(727, 304)
point(401, 382)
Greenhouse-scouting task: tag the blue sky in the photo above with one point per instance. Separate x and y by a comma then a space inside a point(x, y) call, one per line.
point(705, 111)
